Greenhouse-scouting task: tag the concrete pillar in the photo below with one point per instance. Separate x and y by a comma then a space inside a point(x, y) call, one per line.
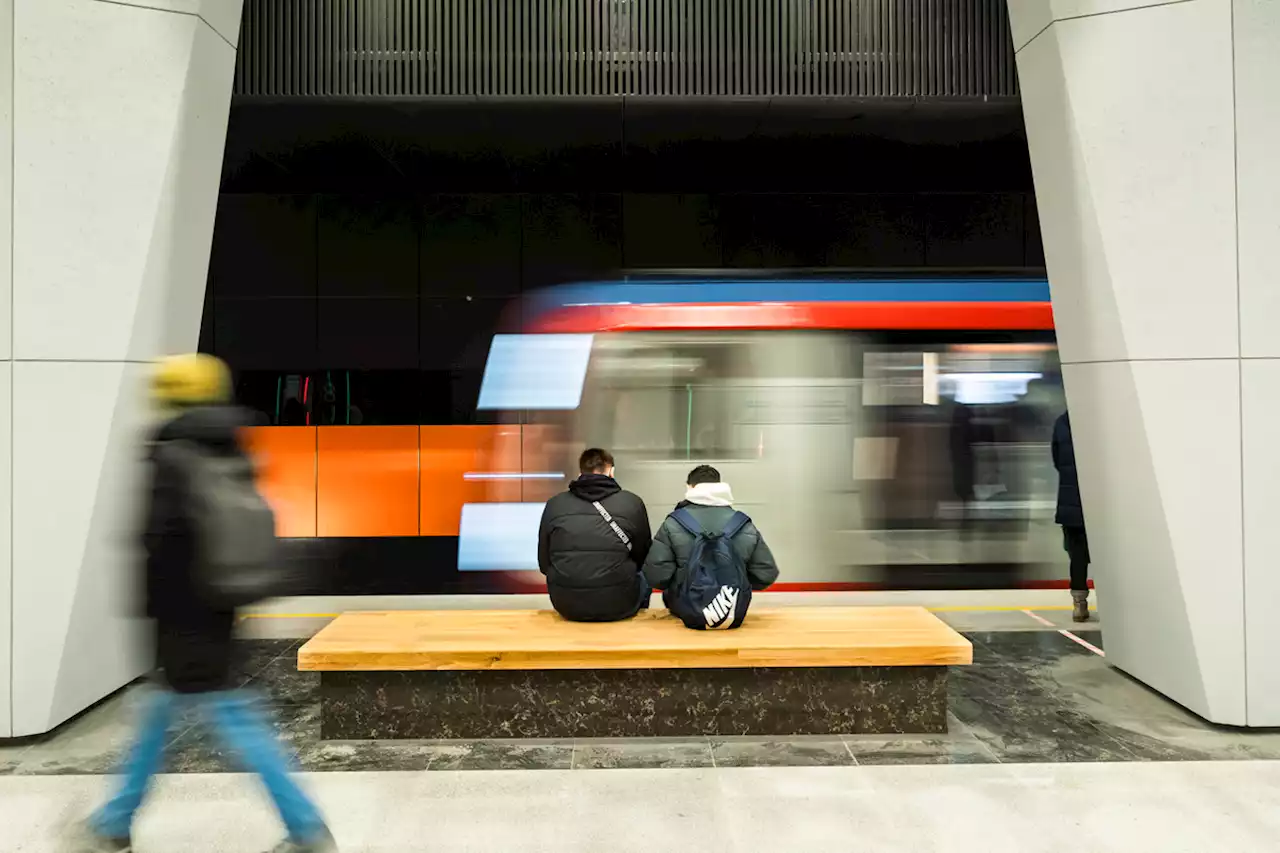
point(1153, 129)
point(113, 119)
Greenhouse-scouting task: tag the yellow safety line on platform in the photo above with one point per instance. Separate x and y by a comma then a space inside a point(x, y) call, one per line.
point(942, 609)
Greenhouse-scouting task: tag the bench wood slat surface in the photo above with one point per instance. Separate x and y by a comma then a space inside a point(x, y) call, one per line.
point(540, 639)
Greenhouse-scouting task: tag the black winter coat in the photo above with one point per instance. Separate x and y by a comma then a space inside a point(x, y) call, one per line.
point(193, 640)
point(591, 575)
point(1070, 510)
point(668, 562)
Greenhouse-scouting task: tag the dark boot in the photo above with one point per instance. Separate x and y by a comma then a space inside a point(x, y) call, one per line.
point(1080, 613)
point(322, 843)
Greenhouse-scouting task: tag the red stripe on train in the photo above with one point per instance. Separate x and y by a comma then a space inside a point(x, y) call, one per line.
point(878, 586)
point(869, 316)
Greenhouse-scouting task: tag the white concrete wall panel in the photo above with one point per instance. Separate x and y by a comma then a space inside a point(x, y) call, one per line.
point(1157, 444)
point(223, 16)
point(6, 552)
point(1153, 129)
point(1134, 170)
point(1257, 73)
point(1031, 17)
point(1260, 409)
point(167, 316)
point(6, 178)
point(120, 112)
point(77, 425)
point(97, 98)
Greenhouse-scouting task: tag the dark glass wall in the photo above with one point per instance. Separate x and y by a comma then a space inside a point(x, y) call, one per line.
point(400, 295)
point(365, 253)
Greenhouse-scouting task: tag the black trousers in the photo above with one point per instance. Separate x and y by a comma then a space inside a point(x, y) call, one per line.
point(1076, 543)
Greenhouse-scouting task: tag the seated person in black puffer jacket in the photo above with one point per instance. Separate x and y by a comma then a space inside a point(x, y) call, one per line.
point(710, 502)
point(592, 543)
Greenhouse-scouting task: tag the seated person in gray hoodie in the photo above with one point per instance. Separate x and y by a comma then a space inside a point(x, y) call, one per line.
point(710, 502)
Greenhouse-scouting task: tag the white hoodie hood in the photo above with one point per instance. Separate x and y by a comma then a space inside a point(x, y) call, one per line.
point(710, 494)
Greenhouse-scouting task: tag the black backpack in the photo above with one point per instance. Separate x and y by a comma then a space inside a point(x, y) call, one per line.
point(237, 556)
point(716, 591)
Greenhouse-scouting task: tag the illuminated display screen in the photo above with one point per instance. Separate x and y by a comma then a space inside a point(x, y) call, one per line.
point(535, 372)
point(499, 537)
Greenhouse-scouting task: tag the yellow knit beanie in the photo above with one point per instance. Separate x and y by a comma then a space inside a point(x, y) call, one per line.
point(193, 379)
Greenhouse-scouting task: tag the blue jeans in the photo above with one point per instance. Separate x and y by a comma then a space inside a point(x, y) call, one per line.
point(244, 730)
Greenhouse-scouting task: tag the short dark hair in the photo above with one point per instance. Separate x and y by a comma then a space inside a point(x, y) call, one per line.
point(703, 474)
point(594, 461)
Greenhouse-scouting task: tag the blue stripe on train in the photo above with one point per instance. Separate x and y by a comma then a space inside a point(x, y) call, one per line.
point(808, 290)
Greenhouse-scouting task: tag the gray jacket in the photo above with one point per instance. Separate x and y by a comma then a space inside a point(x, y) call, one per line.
point(668, 559)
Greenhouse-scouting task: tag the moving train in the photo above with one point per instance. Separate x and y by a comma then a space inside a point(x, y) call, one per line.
point(882, 432)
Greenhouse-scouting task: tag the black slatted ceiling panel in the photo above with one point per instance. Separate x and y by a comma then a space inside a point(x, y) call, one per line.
point(655, 48)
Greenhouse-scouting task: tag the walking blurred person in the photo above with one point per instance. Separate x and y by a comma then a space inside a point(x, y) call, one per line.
point(1071, 516)
point(196, 573)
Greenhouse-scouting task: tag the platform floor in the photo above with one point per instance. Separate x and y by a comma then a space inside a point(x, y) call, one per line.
point(1030, 696)
point(1049, 750)
point(1064, 808)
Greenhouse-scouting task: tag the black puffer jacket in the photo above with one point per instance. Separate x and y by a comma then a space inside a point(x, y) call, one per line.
point(1070, 509)
point(591, 575)
point(193, 640)
point(668, 562)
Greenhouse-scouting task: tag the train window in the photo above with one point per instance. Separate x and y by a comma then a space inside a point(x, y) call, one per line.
point(665, 397)
point(970, 374)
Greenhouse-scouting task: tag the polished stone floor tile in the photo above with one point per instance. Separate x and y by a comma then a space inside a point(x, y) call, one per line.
point(281, 683)
point(201, 750)
point(252, 657)
point(502, 755)
point(779, 753)
point(11, 755)
point(1030, 697)
point(600, 755)
point(326, 756)
point(960, 746)
point(1017, 714)
point(1027, 648)
point(94, 742)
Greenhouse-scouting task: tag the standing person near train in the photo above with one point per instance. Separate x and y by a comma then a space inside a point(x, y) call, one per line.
point(1071, 516)
point(201, 481)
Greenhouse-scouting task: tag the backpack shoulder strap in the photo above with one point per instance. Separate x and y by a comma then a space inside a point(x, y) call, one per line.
point(737, 521)
point(685, 519)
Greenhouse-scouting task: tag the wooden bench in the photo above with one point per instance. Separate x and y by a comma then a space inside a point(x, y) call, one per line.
point(530, 674)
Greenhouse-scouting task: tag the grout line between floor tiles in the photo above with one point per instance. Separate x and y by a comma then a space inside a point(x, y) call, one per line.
point(849, 749)
point(969, 732)
point(294, 645)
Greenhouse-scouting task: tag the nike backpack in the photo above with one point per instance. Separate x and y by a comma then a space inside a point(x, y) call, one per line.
point(237, 555)
point(716, 591)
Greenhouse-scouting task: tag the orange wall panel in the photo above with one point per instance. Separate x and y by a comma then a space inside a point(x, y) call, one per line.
point(397, 480)
point(367, 481)
point(449, 454)
point(285, 458)
point(544, 451)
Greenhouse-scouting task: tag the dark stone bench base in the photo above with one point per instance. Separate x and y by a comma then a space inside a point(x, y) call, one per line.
point(633, 703)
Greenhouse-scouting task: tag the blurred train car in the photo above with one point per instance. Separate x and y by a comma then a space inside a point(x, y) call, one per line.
point(887, 433)
point(882, 432)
